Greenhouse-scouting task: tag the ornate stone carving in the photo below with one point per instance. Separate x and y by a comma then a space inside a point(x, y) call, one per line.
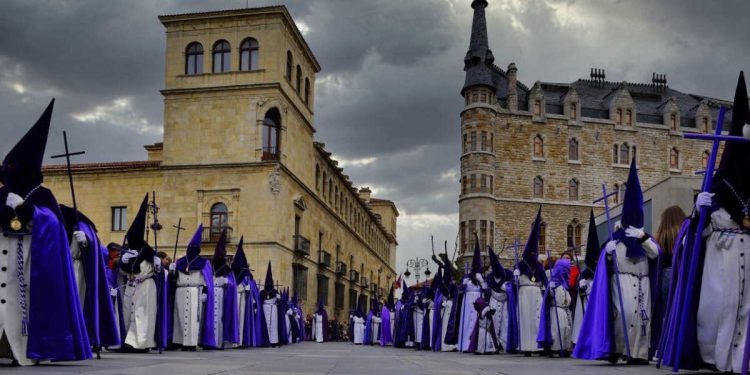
point(274, 181)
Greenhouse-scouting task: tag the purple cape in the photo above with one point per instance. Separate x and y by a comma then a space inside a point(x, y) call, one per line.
point(367, 340)
point(451, 334)
point(479, 305)
point(112, 281)
point(437, 323)
point(596, 338)
point(425, 343)
point(398, 339)
point(544, 338)
point(230, 315)
point(513, 327)
point(98, 311)
point(163, 310)
point(260, 332)
point(385, 327)
point(56, 328)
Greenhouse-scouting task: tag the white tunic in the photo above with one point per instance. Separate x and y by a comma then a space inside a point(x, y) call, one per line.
point(529, 306)
point(581, 301)
point(485, 344)
point(499, 303)
point(76, 254)
point(359, 330)
point(636, 299)
point(468, 312)
point(139, 308)
point(289, 317)
point(418, 319)
point(375, 334)
point(723, 315)
point(317, 328)
point(446, 314)
point(187, 307)
point(242, 296)
point(218, 313)
point(562, 297)
point(393, 324)
point(10, 307)
point(271, 312)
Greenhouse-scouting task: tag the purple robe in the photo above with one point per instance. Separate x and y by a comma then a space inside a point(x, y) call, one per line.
point(231, 320)
point(437, 322)
point(385, 327)
point(513, 339)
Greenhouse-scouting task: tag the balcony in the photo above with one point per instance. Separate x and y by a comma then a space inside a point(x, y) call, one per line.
point(365, 282)
point(301, 245)
point(211, 234)
point(354, 276)
point(374, 288)
point(340, 268)
point(325, 258)
point(270, 153)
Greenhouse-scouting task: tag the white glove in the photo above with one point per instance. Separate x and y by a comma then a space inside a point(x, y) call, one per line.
point(130, 254)
point(157, 262)
point(516, 272)
point(81, 237)
point(204, 297)
point(746, 131)
point(610, 247)
point(113, 292)
point(172, 267)
point(14, 200)
point(553, 284)
point(583, 284)
point(705, 199)
point(634, 232)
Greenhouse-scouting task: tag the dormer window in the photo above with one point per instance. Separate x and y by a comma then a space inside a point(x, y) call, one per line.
point(673, 122)
point(629, 117)
point(705, 125)
point(618, 117)
point(537, 108)
point(573, 111)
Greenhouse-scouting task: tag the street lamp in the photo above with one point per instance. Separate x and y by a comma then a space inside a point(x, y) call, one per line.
point(417, 264)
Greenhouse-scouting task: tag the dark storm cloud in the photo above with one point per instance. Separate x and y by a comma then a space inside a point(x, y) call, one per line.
point(387, 100)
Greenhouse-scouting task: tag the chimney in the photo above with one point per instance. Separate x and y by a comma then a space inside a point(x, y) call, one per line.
point(659, 81)
point(598, 76)
point(512, 85)
point(364, 194)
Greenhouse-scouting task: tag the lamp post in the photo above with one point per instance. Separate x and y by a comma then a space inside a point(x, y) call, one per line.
point(417, 264)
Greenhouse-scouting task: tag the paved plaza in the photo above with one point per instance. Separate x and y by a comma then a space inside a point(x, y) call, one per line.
point(328, 358)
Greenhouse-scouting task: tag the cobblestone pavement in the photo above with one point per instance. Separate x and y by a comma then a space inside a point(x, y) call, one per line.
point(328, 358)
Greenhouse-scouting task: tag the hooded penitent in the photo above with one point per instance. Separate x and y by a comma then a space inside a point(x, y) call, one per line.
point(192, 260)
point(219, 262)
point(632, 214)
point(559, 275)
point(529, 264)
point(593, 249)
point(239, 264)
point(268, 289)
point(499, 275)
point(476, 258)
point(54, 321)
point(135, 240)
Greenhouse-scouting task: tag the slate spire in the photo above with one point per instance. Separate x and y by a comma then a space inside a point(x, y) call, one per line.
point(479, 58)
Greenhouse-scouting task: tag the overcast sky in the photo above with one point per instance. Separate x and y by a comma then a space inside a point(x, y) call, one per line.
point(388, 98)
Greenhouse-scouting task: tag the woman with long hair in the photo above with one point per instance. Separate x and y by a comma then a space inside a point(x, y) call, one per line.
point(671, 221)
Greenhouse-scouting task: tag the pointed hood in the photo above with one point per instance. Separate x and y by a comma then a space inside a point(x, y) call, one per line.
point(561, 272)
point(391, 301)
point(137, 232)
point(497, 268)
point(632, 213)
point(436, 282)
point(593, 246)
point(321, 306)
point(194, 247)
point(268, 285)
point(735, 160)
point(219, 261)
point(529, 264)
point(239, 263)
point(22, 166)
point(479, 58)
point(476, 258)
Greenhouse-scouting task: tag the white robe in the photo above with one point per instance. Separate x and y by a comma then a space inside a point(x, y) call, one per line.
point(562, 297)
point(186, 325)
point(75, 254)
point(581, 300)
point(485, 343)
point(139, 308)
point(359, 330)
point(529, 306)
point(10, 311)
point(218, 313)
point(393, 326)
point(243, 293)
point(418, 319)
point(317, 328)
point(289, 318)
point(446, 314)
point(635, 282)
point(723, 315)
point(270, 311)
point(499, 303)
point(375, 330)
point(468, 312)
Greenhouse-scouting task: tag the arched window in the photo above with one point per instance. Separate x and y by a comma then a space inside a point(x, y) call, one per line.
point(538, 146)
point(538, 187)
point(705, 125)
point(704, 159)
point(618, 116)
point(674, 158)
point(307, 91)
point(542, 238)
point(624, 153)
point(573, 149)
point(325, 184)
point(194, 59)
point(673, 122)
point(222, 56)
point(219, 220)
point(537, 108)
point(336, 198)
point(317, 177)
point(298, 86)
point(249, 54)
point(289, 65)
point(271, 141)
point(574, 234)
point(629, 117)
point(573, 190)
point(615, 154)
point(616, 197)
point(330, 191)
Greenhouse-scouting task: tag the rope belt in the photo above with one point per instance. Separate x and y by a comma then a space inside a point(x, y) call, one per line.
point(190, 286)
point(22, 289)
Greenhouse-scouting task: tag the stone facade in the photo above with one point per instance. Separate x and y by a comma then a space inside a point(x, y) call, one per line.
point(239, 153)
point(554, 145)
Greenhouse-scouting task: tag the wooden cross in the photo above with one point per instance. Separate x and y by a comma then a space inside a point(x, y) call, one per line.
point(67, 156)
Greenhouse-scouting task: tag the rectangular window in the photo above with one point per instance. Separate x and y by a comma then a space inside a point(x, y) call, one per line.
point(492, 142)
point(339, 296)
point(537, 108)
point(614, 154)
point(472, 230)
point(484, 141)
point(483, 189)
point(352, 299)
point(323, 289)
point(464, 183)
point(473, 184)
point(299, 282)
point(573, 111)
point(462, 235)
point(492, 235)
point(473, 141)
point(119, 218)
point(465, 145)
point(483, 234)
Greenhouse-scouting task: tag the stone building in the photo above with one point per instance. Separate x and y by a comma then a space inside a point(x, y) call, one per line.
point(555, 144)
point(239, 153)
